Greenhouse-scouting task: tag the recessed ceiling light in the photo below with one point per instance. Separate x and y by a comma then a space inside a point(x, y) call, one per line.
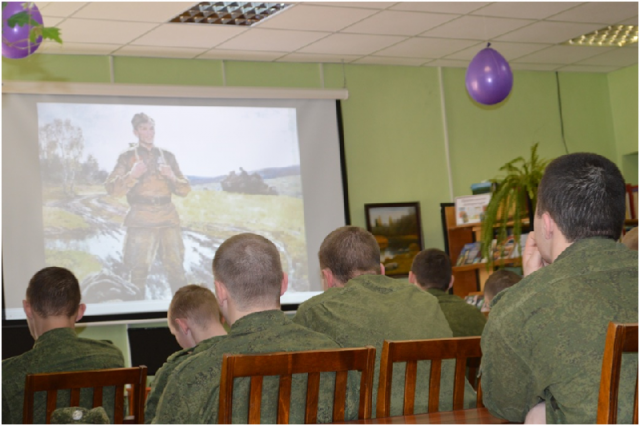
point(229, 13)
point(613, 35)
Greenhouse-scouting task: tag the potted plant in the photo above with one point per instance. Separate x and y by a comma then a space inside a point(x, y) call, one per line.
point(513, 199)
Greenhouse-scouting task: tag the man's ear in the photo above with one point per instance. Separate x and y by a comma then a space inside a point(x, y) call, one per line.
point(81, 308)
point(27, 309)
point(451, 282)
point(412, 277)
point(285, 283)
point(183, 325)
point(382, 270)
point(221, 293)
point(328, 278)
point(548, 225)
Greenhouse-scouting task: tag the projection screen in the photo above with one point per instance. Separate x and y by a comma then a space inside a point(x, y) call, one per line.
point(134, 194)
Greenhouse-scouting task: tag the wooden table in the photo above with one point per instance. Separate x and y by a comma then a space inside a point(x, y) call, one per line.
point(472, 416)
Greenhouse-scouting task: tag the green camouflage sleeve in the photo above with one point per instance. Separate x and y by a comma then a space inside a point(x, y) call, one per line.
point(159, 384)
point(6, 410)
point(507, 381)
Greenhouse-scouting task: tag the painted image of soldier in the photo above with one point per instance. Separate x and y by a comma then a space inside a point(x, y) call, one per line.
point(149, 176)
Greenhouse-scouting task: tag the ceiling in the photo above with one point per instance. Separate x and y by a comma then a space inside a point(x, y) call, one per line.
point(449, 34)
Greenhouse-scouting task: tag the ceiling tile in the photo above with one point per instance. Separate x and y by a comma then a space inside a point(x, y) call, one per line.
point(525, 10)
point(318, 57)
point(549, 32)
point(189, 35)
point(459, 7)
point(602, 12)
point(630, 21)
point(534, 67)
point(352, 44)
point(62, 9)
point(360, 4)
point(510, 51)
point(563, 54)
point(97, 31)
point(477, 27)
point(272, 40)
point(449, 63)
point(159, 52)
point(385, 60)
point(622, 57)
point(587, 68)
point(158, 12)
point(241, 55)
point(316, 18)
point(399, 23)
point(419, 47)
point(77, 48)
point(51, 21)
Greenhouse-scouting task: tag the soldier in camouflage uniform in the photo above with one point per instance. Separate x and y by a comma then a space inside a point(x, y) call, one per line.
point(361, 306)
point(194, 319)
point(543, 343)
point(52, 308)
point(249, 282)
point(148, 176)
point(431, 271)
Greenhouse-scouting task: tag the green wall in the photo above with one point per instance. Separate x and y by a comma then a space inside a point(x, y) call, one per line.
point(623, 93)
point(393, 124)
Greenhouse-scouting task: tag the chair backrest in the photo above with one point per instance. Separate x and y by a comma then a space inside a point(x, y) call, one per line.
point(434, 350)
point(620, 338)
point(96, 379)
point(285, 364)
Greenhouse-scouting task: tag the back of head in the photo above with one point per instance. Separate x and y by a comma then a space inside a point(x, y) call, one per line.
point(195, 303)
point(350, 251)
point(432, 268)
point(499, 281)
point(54, 291)
point(584, 194)
point(630, 239)
point(249, 267)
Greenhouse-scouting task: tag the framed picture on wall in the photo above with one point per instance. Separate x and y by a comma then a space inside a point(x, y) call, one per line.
point(398, 232)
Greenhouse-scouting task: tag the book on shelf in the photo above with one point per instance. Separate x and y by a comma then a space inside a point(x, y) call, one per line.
point(508, 249)
point(469, 254)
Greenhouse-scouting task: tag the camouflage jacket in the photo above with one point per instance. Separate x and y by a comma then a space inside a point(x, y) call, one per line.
point(372, 308)
point(545, 336)
point(464, 319)
point(192, 393)
point(162, 375)
point(56, 350)
point(150, 195)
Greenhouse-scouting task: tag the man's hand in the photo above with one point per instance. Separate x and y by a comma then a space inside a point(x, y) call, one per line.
point(531, 257)
point(138, 169)
point(165, 170)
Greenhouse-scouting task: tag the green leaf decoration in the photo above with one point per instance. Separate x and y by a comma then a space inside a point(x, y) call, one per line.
point(20, 19)
point(51, 33)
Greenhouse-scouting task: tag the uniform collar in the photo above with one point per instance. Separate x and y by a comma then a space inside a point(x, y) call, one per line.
point(55, 334)
point(258, 321)
point(586, 244)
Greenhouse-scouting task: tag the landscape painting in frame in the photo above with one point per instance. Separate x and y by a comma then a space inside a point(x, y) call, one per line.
point(396, 227)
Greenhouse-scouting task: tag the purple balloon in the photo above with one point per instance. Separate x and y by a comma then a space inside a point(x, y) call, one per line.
point(15, 41)
point(489, 78)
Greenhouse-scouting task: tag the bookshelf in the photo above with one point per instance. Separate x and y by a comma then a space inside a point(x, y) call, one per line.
point(468, 278)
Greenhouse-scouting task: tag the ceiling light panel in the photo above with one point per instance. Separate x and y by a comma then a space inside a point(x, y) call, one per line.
point(613, 35)
point(230, 13)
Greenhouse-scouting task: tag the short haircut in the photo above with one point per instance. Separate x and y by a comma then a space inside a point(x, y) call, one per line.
point(432, 268)
point(249, 266)
point(54, 291)
point(350, 251)
point(630, 239)
point(498, 281)
point(141, 118)
point(585, 195)
point(196, 303)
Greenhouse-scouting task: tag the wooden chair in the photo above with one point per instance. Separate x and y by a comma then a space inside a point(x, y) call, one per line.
point(96, 379)
point(285, 364)
point(620, 338)
point(434, 350)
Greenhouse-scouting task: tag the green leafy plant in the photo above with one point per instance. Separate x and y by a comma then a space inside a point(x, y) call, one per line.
point(24, 18)
point(513, 200)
